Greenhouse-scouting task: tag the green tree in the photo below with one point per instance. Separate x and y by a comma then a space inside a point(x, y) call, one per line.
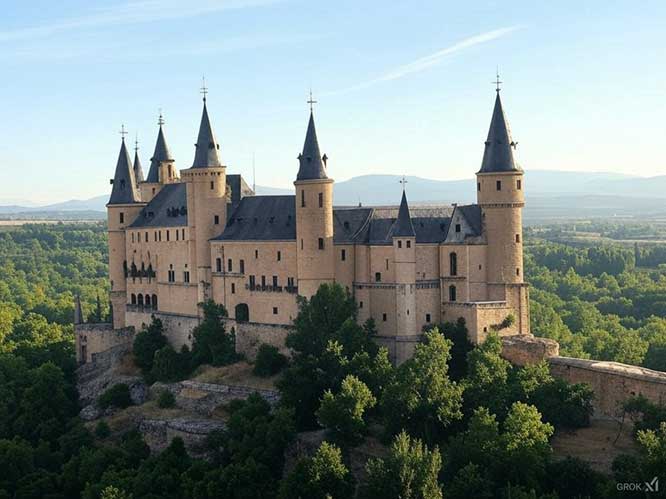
point(269, 361)
point(409, 471)
point(322, 476)
point(422, 398)
point(148, 341)
point(343, 412)
point(212, 344)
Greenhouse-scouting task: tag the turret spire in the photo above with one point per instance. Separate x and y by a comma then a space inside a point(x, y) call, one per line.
point(403, 224)
point(311, 163)
point(498, 154)
point(161, 154)
point(138, 170)
point(124, 187)
point(206, 154)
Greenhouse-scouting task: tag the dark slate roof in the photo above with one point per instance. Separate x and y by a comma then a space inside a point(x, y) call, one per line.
point(167, 209)
point(206, 149)
point(498, 154)
point(430, 224)
point(311, 165)
point(138, 170)
point(262, 218)
point(161, 153)
point(124, 189)
point(239, 189)
point(403, 226)
point(473, 214)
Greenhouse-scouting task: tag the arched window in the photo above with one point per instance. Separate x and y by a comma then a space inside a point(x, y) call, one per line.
point(147, 300)
point(154, 302)
point(453, 263)
point(452, 293)
point(140, 302)
point(133, 299)
point(242, 312)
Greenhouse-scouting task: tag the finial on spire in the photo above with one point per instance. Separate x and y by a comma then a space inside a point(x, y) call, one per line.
point(403, 181)
point(136, 142)
point(160, 120)
point(122, 132)
point(204, 88)
point(311, 100)
point(497, 81)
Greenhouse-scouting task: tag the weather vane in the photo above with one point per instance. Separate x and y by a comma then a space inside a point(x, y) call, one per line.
point(204, 88)
point(122, 131)
point(160, 120)
point(311, 100)
point(497, 81)
point(403, 181)
point(136, 142)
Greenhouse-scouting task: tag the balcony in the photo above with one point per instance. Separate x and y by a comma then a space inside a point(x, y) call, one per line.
point(272, 289)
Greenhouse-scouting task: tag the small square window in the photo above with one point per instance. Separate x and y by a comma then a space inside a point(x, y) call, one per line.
point(384, 317)
point(233, 288)
point(275, 310)
point(360, 304)
point(321, 243)
point(517, 271)
point(519, 184)
point(517, 238)
point(321, 200)
point(279, 256)
point(378, 277)
point(498, 185)
point(256, 253)
point(428, 318)
point(478, 186)
point(212, 185)
point(122, 217)
point(458, 228)
point(343, 255)
point(216, 219)
point(399, 244)
point(409, 244)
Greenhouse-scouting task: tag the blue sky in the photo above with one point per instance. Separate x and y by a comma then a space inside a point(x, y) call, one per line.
point(403, 87)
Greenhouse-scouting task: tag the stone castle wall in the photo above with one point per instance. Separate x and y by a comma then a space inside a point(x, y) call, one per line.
point(612, 382)
point(92, 339)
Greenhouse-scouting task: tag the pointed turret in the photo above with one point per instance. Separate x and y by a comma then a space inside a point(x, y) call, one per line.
point(138, 170)
point(498, 154)
point(207, 149)
point(311, 162)
point(124, 187)
point(160, 155)
point(403, 224)
point(78, 311)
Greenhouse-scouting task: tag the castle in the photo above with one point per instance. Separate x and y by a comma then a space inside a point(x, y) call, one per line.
point(176, 241)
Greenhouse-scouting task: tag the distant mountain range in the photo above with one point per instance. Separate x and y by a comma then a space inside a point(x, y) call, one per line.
point(550, 194)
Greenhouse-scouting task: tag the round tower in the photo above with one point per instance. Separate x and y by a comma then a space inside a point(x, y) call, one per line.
point(500, 194)
point(122, 209)
point(206, 202)
point(314, 217)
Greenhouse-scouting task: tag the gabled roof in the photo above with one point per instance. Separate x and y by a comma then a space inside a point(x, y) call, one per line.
point(498, 153)
point(161, 154)
point(206, 149)
point(124, 189)
point(311, 165)
point(403, 225)
point(262, 218)
point(138, 170)
point(167, 209)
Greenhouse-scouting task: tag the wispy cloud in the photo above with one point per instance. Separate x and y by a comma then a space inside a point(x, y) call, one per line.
point(134, 12)
point(431, 60)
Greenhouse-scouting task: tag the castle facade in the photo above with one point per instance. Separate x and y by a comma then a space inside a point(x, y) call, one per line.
point(177, 239)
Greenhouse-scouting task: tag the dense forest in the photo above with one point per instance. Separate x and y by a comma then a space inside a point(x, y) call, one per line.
point(455, 421)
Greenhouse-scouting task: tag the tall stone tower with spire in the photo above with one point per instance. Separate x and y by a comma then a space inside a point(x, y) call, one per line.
point(404, 256)
point(500, 195)
point(314, 217)
point(123, 207)
point(162, 167)
point(206, 201)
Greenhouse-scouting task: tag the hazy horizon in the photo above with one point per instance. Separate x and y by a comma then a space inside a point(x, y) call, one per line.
point(400, 90)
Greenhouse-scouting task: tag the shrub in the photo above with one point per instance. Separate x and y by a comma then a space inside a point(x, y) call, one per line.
point(166, 399)
point(269, 361)
point(102, 430)
point(117, 396)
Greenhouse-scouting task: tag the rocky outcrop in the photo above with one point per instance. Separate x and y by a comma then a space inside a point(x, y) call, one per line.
point(526, 349)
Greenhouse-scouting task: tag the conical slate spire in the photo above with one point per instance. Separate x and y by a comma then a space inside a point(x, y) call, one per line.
point(311, 164)
point(403, 225)
point(161, 154)
point(206, 154)
point(498, 154)
point(138, 170)
point(124, 187)
point(78, 311)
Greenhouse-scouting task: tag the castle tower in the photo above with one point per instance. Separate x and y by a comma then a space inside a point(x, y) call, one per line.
point(206, 201)
point(162, 167)
point(314, 217)
point(122, 209)
point(404, 256)
point(138, 169)
point(500, 195)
